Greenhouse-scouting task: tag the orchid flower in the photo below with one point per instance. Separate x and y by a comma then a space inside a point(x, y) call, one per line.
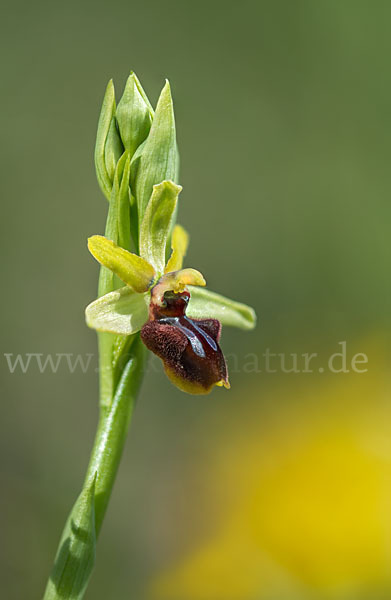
point(179, 321)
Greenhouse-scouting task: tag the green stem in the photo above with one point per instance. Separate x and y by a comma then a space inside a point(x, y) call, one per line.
point(76, 552)
point(112, 430)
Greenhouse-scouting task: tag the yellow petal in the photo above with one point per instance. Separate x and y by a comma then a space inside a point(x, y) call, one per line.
point(132, 269)
point(179, 244)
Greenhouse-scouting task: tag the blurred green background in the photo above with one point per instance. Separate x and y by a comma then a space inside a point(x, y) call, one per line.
point(281, 488)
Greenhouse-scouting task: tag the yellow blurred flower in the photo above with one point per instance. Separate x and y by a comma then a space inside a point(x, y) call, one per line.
point(310, 510)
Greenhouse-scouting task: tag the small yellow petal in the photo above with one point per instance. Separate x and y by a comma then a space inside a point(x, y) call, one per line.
point(132, 269)
point(179, 244)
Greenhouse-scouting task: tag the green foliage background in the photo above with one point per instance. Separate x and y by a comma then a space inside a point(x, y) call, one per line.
point(283, 120)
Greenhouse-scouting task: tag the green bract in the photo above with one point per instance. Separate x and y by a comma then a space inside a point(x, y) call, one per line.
point(76, 552)
point(157, 223)
point(102, 138)
point(156, 159)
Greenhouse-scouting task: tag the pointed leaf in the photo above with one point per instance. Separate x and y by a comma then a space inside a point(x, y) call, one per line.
point(123, 312)
point(156, 159)
point(134, 115)
point(157, 223)
point(130, 268)
point(179, 244)
point(76, 553)
point(205, 304)
point(106, 115)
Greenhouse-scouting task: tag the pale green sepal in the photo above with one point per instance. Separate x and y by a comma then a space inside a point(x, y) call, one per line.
point(106, 115)
point(156, 160)
point(134, 115)
point(130, 268)
point(205, 304)
point(76, 553)
point(157, 223)
point(113, 149)
point(122, 312)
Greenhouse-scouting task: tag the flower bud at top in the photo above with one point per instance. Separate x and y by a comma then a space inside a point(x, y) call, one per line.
point(134, 115)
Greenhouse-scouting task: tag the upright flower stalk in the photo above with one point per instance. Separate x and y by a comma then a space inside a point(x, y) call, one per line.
point(143, 287)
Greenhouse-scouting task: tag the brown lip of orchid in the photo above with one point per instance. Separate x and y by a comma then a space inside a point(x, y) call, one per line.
point(189, 348)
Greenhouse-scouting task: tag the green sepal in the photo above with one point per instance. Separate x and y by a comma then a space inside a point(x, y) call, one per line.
point(76, 553)
point(113, 149)
point(205, 304)
point(134, 115)
point(106, 115)
point(156, 159)
point(157, 223)
point(123, 312)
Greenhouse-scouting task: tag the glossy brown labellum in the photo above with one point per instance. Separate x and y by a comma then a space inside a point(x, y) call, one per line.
point(188, 347)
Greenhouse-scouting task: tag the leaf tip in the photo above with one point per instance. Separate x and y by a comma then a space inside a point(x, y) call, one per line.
point(110, 90)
